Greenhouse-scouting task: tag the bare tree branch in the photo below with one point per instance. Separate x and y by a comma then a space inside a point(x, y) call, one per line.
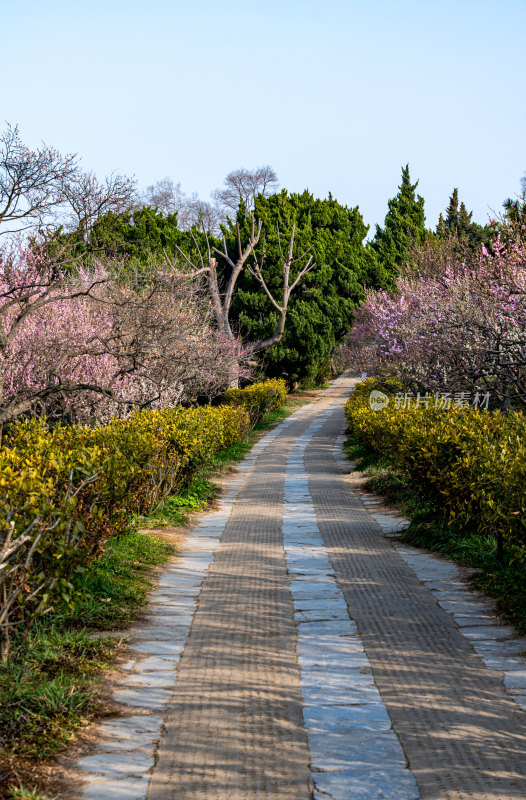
point(169, 198)
point(86, 198)
point(287, 289)
point(243, 185)
point(41, 190)
point(222, 305)
point(31, 182)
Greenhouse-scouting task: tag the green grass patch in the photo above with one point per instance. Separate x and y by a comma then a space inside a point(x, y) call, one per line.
point(46, 690)
point(115, 587)
point(27, 794)
point(501, 579)
point(49, 686)
point(197, 496)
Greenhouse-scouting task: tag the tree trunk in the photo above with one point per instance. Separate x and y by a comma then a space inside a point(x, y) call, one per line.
point(233, 375)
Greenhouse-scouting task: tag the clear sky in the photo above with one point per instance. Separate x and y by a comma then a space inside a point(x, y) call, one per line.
point(335, 95)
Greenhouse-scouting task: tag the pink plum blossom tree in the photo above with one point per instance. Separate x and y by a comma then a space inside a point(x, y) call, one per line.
point(454, 323)
point(87, 345)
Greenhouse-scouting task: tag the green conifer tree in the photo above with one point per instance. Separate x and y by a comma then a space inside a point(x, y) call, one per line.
point(404, 226)
point(321, 306)
point(464, 219)
point(459, 223)
point(452, 213)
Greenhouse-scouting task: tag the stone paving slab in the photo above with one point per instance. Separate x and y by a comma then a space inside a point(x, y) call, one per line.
point(350, 658)
point(334, 752)
point(320, 629)
point(483, 632)
point(337, 675)
point(511, 647)
point(386, 784)
point(119, 732)
point(148, 698)
point(172, 605)
point(152, 663)
point(158, 647)
point(505, 663)
point(328, 648)
point(157, 680)
point(321, 614)
point(336, 603)
point(347, 719)
point(168, 619)
point(127, 788)
point(331, 695)
point(516, 679)
point(165, 631)
point(314, 589)
point(139, 760)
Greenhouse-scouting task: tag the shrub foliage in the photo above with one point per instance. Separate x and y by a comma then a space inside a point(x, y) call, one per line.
point(259, 399)
point(65, 490)
point(470, 464)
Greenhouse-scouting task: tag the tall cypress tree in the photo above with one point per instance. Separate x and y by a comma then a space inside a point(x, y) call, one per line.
point(404, 226)
point(452, 213)
point(441, 227)
point(464, 218)
point(459, 223)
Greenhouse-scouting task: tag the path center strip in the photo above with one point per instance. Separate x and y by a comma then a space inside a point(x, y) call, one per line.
point(355, 753)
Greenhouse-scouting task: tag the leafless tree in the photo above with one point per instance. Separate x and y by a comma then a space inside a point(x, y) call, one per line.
point(169, 198)
point(287, 288)
point(31, 182)
point(245, 185)
point(165, 195)
point(86, 198)
point(248, 258)
point(241, 184)
point(41, 189)
point(203, 215)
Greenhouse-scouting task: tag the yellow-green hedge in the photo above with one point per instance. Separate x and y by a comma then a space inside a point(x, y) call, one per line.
point(64, 491)
point(469, 463)
point(259, 399)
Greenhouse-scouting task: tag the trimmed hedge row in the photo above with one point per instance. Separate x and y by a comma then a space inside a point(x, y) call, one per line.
point(470, 464)
point(64, 491)
point(260, 399)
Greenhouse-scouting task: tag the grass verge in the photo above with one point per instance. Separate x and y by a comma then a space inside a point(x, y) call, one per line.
point(50, 688)
point(20, 793)
point(501, 579)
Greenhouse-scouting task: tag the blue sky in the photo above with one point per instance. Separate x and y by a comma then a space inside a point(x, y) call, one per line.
point(336, 96)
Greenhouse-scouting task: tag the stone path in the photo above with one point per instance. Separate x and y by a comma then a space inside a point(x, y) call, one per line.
point(296, 652)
